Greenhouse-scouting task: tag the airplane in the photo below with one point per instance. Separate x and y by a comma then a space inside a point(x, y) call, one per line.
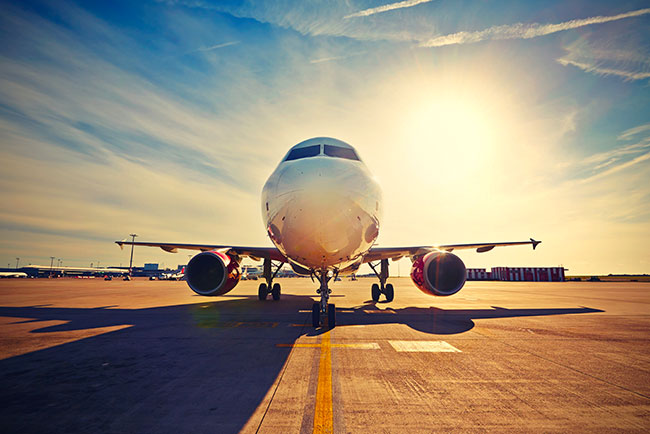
point(12, 274)
point(322, 210)
point(173, 276)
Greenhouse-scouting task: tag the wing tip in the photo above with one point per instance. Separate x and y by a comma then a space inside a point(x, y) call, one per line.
point(534, 243)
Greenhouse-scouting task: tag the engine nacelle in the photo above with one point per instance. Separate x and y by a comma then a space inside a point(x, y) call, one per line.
point(439, 273)
point(212, 273)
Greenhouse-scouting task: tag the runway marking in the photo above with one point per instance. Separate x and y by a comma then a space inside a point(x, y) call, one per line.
point(206, 323)
point(423, 347)
point(358, 346)
point(323, 416)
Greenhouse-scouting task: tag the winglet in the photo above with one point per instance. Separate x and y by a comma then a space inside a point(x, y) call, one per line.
point(535, 243)
point(120, 243)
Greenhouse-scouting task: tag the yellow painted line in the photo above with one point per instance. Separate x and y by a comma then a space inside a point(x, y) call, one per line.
point(208, 323)
point(360, 345)
point(323, 418)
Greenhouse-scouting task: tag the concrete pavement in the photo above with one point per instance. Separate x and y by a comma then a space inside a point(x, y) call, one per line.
point(141, 356)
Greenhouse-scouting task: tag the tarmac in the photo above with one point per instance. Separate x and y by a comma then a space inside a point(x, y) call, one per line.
point(151, 357)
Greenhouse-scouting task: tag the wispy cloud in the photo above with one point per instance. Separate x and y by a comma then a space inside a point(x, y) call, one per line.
point(524, 30)
point(614, 160)
point(629, 134)
point(215, 47)
point(386, 8)
point(618, 168)
point(331, 58)
point(628, 75)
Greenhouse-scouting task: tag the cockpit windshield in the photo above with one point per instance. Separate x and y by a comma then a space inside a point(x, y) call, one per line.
point(306, 152)
point(339, 152)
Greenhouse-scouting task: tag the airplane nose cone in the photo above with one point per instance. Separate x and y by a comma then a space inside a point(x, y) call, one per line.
point(328, 212)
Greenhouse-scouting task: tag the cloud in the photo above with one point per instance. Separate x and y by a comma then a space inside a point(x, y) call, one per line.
point(605, 71)
point(618, 168)
point(524, 30)
point(215, 47)
point(628, 134)
point(386, 8)
point(614, 160)
point(331, 58)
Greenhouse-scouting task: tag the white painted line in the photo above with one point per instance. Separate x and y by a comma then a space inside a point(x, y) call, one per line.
point(423, 347)
point(359, 346)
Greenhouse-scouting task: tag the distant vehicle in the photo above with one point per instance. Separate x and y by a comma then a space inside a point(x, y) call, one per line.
point(127, 277)
point(12, 274)
point(322, 209)
point(108, 277)
point(152, 278)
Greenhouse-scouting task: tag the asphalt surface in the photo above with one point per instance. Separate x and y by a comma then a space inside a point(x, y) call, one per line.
point(152, 357)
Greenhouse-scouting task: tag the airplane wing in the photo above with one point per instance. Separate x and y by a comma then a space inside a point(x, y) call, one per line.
point(377, 253)
point(252, 252)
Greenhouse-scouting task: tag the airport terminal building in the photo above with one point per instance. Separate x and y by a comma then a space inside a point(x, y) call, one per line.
point(529, 274)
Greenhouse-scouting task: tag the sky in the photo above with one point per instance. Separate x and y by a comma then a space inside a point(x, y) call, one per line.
point(482, 120)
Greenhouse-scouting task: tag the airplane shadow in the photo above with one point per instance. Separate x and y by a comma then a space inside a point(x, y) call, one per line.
point(441, 321)
point(202, 367)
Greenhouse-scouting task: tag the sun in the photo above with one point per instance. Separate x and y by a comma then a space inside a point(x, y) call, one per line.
point(450, 135)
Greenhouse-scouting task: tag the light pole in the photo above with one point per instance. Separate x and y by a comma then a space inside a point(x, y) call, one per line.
point(51, 264)
point(131, 260)
point(17, 260)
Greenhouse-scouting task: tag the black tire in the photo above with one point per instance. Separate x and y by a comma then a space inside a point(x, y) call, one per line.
point(315, 314)
point(275, 292)
point(263, 291)
point(376, 292)
point(331, 316)
point(389, 292)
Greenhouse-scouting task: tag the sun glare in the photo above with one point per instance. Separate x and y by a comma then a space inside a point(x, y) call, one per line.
point(450, 136)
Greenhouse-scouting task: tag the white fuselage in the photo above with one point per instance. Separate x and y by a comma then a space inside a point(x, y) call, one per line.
point(322, 211)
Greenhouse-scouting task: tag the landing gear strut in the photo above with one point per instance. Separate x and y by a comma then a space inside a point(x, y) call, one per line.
point(383, 287)
point(269, 287)
point(323, 309)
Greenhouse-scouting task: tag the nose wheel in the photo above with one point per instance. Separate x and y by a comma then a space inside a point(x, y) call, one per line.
point(322, 312)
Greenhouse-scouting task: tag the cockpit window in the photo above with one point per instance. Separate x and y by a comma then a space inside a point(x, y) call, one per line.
point(338, 152)
point(306, 152)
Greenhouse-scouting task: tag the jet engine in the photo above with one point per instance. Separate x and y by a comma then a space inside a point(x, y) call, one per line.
point(212, 273)
point(439, 273)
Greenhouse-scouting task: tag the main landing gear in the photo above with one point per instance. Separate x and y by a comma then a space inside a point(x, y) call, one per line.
point(322, 310)
point(383, 287)
point(269, 287)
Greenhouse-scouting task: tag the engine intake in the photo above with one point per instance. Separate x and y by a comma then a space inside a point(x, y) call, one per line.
point(439, 273)
point(212, 273)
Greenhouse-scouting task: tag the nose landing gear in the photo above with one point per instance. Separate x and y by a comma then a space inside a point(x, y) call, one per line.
point(383, 287)
point(323, 309)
